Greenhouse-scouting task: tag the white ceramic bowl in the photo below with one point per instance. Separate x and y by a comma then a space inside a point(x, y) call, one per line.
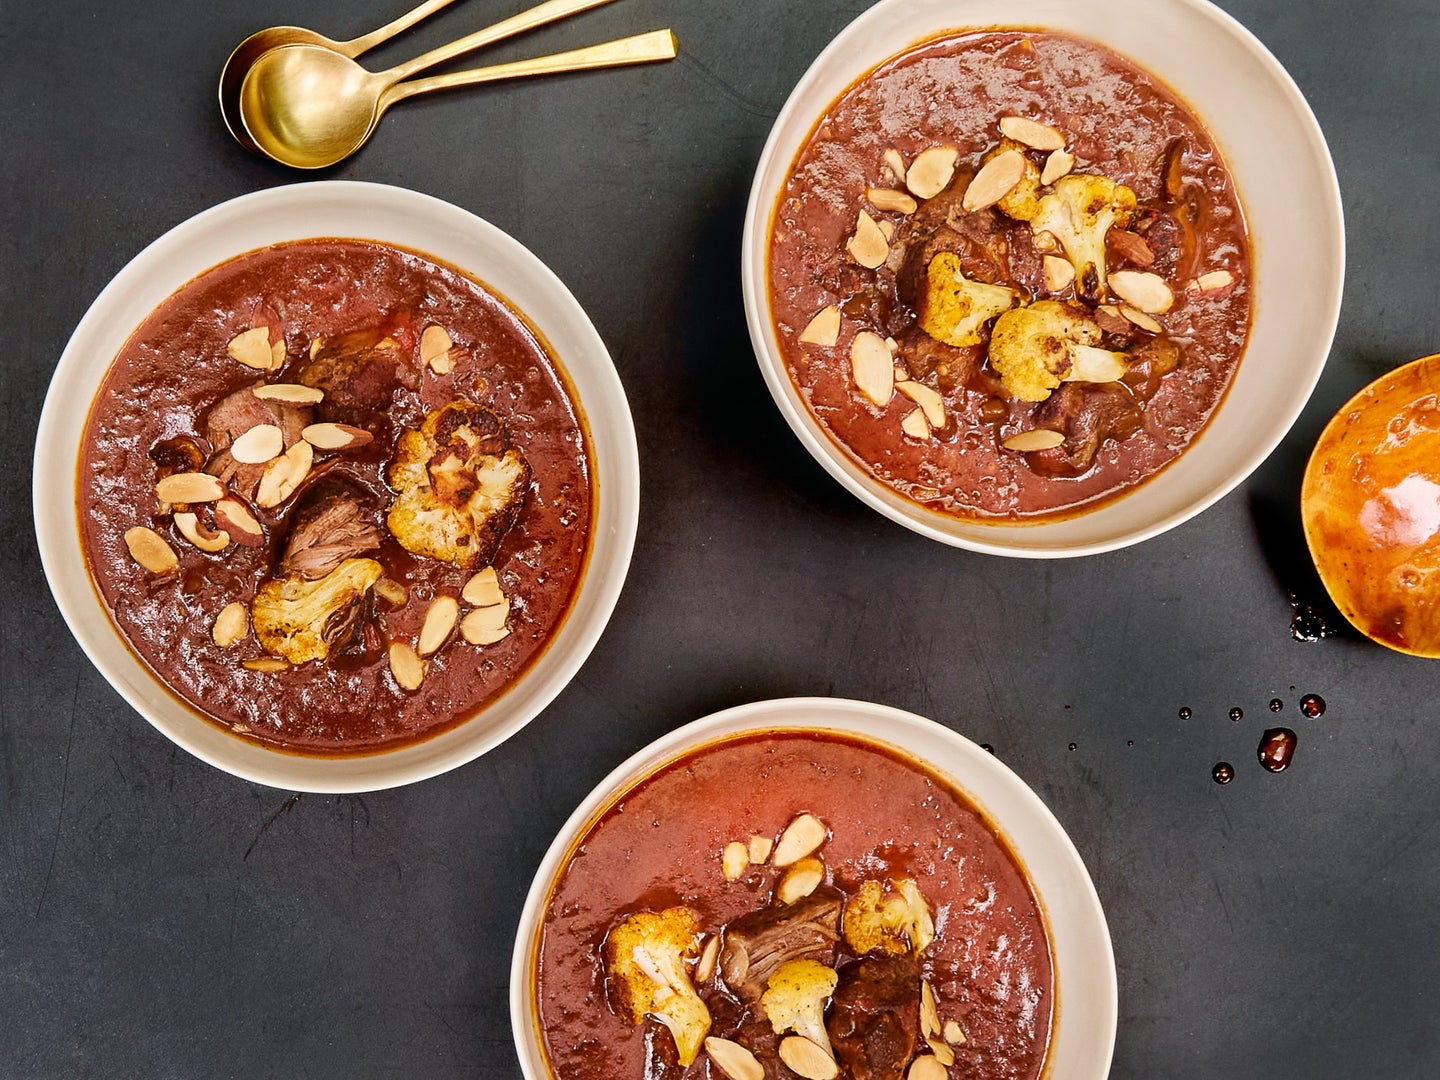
point(366, 211)
point(1288, 188)
point(1083, 1031)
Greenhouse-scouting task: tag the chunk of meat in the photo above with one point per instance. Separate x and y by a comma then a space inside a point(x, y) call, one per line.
point(334, 521)
point(1086, 414)
point(874, 1022)
point(359, 373)
point(234, 415)
point(758, 943)
point(237, 413)
point(1170, 237)
point(981, 240)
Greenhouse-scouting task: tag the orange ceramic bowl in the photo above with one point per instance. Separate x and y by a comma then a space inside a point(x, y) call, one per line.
point(1371, 507)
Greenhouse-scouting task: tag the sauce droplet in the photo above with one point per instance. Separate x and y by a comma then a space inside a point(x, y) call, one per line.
point(1223, 773)
point(1276, 704)
point(1277, 747)
point(1072, 746)
point(1313, 706)
point(1307, 624)
point(1237, 714)
point(1129, 742)
point(1184, 712)
point(987, 748)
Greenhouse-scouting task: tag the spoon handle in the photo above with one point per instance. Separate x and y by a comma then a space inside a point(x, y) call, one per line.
point(640, 49)
point(355, 46)
point(526, 20)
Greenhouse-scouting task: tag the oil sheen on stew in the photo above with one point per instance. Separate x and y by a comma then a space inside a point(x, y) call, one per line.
point(444, 451)
point(913, 884)
point(1079, 332)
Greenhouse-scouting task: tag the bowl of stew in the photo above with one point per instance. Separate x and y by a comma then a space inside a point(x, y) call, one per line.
point(813, 887)
point(337, 486)
point(1039, 285)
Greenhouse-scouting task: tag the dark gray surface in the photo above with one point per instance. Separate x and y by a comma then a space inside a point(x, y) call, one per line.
point(158, 918)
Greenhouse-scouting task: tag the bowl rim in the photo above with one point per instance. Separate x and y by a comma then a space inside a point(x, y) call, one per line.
point(613, 527)
point(843, 715)
point(1010, 535)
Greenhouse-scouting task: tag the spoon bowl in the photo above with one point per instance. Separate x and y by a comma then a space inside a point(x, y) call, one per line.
point(232, 75)
point(308, 106)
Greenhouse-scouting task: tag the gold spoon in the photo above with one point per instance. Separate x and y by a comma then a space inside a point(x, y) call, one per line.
point(232, 75)
point(310, 107)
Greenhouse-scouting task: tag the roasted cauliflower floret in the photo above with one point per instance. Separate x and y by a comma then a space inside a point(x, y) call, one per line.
point(460, 486)
point(953, 308)
point(1033, 349)
point(1078, 213)
point(645, 960)
point(892, 918)
point(795, 997)
point(300, 621)
point(1023, 201)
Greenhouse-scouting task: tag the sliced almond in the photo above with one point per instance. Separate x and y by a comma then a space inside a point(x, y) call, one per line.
point(931, 171)
point(734, 860)
point(260, 444)
point(732, 1059)
point(929, 1011)
point(269, 664)
point(1057, 165)
point(1109, 319)
point(1214, 281)
point(996, 179)
point(485, 626)
point(435, 344)
point(915, 425)
point(316, 344)
point(807, 1059)
point(824, 328)
point(926, 1068)
point(705, 966)
point(1143, 290)
point(802, 879)
point(801, 837)
point(954, 1034)
point(893, 346)
point(252, 348)
point(1092, 365)
point(284, 474)
point(336, 436)
point(901, 374)
point(929, 400)
point(277, 355)
point(189, 487)
point(872, 367)
point(759, 849)
point(203, 538)
point(439, 621)
point(391, 591)
point(1059, 273)
point(1140, 319)
point(887, 230)
point(290, 393)
point(483, 636)
point(149, 549)
point(1035, 439)
point(868, 246)
point(895, 163)
point(232, 515)
point(890, 201)
point(942, 1052)
point(483, 589)
point(406, 666)
point(231, 625)
point(1131, 247)
point(1032, 133)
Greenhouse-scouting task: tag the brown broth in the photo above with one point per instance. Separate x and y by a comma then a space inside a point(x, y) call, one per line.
point(175, 366)
point(952, 91)
point(660, 845)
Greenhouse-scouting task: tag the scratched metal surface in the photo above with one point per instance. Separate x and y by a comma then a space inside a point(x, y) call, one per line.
point(160, 919)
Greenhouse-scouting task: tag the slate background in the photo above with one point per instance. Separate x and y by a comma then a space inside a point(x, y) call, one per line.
point(161, 919)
